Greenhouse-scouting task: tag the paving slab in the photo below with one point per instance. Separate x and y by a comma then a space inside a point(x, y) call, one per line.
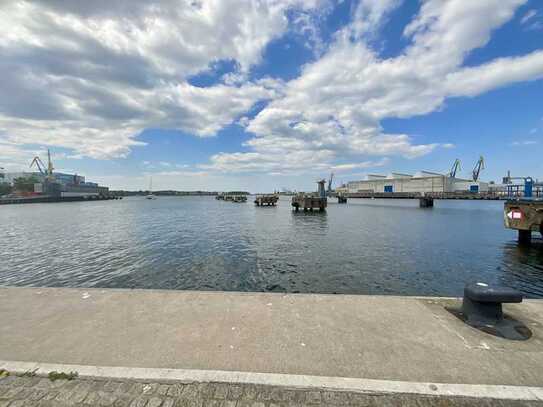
point(408, 339)
point(23, 394)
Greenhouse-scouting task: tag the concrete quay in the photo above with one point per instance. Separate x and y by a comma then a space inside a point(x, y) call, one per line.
point(369, 345)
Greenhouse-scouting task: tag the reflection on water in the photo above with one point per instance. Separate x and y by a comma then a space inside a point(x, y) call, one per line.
point(522, 267)
point(365, 246)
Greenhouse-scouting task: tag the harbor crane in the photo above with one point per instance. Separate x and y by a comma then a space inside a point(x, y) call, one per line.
point(455, 168)
point(330, 182)
point(46, 171)
point(478, 167)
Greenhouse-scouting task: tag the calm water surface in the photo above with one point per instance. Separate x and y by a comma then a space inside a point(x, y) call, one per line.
point(364, 247)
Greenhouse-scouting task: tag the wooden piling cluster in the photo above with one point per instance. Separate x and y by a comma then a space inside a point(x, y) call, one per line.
point(308, 202)
point(266, 200)
point(426, 202)
point(232, 197)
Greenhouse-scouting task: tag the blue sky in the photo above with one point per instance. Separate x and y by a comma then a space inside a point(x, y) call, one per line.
point(267, 95)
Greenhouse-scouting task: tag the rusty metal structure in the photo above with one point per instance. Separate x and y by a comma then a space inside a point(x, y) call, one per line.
point(266, 200)
point(308, 202)
point(524, 215)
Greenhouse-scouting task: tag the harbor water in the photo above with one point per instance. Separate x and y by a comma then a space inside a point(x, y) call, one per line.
point(198, 243)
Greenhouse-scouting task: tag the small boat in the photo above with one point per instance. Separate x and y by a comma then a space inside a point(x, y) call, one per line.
point(150, 194)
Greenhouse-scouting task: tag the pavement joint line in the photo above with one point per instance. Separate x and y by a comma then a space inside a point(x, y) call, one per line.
point(307, 382)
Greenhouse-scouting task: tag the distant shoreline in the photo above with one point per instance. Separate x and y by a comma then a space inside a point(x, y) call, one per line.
point(165, 193)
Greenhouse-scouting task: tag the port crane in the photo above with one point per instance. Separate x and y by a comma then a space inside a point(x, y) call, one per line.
point(455, 168)
point(46, 171)
point(478, 167)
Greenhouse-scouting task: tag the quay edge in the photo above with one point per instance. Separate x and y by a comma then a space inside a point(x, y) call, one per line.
point(392, 339)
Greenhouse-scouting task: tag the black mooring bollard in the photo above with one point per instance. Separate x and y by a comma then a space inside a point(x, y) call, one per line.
point(482, 309)
point(483, 303)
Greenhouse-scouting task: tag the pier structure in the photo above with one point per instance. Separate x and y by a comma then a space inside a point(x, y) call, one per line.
point(325, 349)
point(266, 200)
point(426, 199)
point(308, 202)
point(525, 216)
point(426, 202)
point(56, 199)
point(236, 197)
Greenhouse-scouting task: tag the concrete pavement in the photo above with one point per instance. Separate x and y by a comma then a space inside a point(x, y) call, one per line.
point(393, 339)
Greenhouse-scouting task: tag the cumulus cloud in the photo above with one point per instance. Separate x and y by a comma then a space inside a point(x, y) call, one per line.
point(90, 76)
point(335, 107)
point(503, 71)
point(370, 15)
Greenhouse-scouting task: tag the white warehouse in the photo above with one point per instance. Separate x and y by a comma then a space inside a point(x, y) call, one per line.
point(422, 181)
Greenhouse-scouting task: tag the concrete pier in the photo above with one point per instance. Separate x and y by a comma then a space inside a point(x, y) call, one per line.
point(426, 202)
point(55, 199)
point(410, 344)
point(309, 202)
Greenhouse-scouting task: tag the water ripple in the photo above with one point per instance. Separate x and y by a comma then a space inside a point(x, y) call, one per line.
point(367, 247)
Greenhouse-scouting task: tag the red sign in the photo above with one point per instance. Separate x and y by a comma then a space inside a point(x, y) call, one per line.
point(514, 214)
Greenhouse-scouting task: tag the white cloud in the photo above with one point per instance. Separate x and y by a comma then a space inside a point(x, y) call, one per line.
point(361, 165)
point(503, 71)
point(524, 143)
point(528, 16)
point(370, 15)
point(175, 173)
point(90, 76)
point(336, 105)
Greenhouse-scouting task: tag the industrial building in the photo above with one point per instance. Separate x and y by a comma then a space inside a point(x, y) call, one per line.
point(421, 182)
point(55, 184)
point(61, 178)
point(59, 184)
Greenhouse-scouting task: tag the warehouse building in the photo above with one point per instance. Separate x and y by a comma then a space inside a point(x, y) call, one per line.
point(61, 178)
point(61, 184)
point(421, 182)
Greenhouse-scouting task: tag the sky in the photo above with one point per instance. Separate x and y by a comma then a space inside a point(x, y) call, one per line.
point(265, 95)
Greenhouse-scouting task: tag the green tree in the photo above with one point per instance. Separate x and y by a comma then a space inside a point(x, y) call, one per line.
point(25, 184)
point(5, 188)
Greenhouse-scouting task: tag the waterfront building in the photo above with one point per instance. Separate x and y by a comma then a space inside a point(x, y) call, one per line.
point(62, 185)
point(421, 182)
point(59, 177)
